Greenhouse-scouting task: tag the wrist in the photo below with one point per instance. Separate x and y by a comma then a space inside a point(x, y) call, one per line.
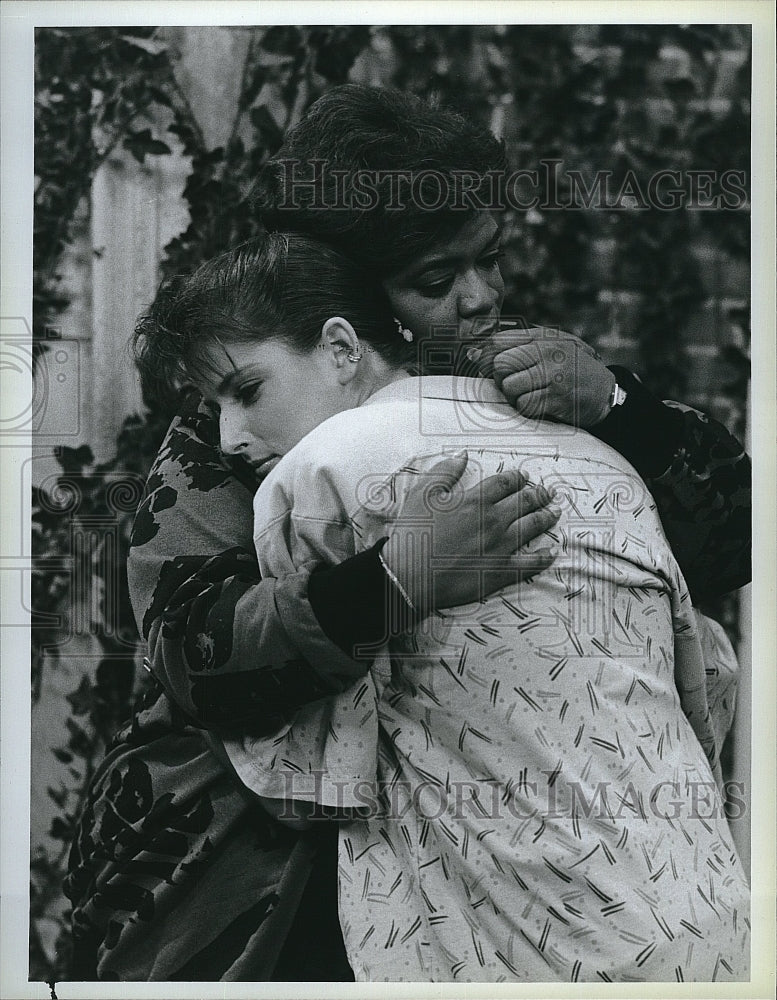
point(611, 398)
point(394, 579)
point(401, 565)
point(643, 429)
point(617, 397)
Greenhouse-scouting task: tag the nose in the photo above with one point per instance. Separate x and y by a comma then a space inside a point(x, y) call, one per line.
point(232, 432)
point(476, 296)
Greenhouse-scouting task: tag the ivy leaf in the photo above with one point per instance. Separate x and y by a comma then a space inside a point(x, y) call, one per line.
point(282, 39)
point(142, 144)
point(78, 741)
point(60, 830)
point(336, 49)
point(81, 699)
point(272, 60)
point(150, 45)
point(267, 127)
point(74, 459)
point(159, 94)
point(58, 796)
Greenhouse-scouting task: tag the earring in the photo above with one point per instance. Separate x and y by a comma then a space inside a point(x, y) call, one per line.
point(403, 331)
point(355, 355)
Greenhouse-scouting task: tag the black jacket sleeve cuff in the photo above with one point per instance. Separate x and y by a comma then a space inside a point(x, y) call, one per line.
point(350, 601)
point(644, 430)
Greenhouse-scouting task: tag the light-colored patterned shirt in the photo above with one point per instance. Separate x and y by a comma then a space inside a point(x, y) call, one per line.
point(540, 767)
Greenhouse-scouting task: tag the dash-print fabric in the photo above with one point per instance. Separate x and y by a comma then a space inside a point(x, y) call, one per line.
point(541, 767)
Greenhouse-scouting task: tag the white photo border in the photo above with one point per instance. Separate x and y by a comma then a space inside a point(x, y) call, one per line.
point(18, 18)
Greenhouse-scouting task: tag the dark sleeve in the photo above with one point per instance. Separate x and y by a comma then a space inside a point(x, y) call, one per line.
point(232, 650)
point(700, 478)
point(356, 604)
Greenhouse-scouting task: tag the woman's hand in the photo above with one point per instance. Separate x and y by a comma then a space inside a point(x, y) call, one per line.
point(549, 375)
point(453, 545)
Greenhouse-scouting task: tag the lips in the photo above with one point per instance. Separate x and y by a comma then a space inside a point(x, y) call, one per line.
point(480, 328)
point(472, 345)
point(263, 466)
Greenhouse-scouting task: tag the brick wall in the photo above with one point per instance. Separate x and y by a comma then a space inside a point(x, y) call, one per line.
point(666, 293)
point(689, 97)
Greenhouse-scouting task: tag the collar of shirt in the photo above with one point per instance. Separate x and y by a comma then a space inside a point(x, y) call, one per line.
point(454, 387)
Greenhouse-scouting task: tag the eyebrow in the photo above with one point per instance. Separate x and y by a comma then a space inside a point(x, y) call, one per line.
point(452, 258)
point(227, 384)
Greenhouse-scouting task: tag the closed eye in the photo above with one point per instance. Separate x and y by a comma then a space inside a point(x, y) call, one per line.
point(492, 259)
point(247, 393)
point(435, 287)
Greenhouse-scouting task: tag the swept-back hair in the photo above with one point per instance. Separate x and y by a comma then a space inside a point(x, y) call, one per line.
point(364, 170)
point(277, 286)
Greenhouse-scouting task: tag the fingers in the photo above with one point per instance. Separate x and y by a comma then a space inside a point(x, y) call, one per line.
point(522, 502)
point(590, 350)
point(532, 525)
point(503, 340)
point(446, 473)
point(565, 384)
point(521, 352)
point(552, 350)
point(537, 404)
point(521, 370)
point(516, 568)
point(565, 339)
point(528, 564)
point(500, 486)
point(517, 383)
point(521, 516)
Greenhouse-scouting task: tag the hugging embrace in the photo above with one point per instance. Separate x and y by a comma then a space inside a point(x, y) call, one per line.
point(433, 703)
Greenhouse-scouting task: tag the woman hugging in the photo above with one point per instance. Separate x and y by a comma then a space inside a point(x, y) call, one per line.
point(445, 663)
point(527, 777)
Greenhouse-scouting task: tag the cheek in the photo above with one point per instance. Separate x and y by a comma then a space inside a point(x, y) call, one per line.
point(315, 401)
point(286, 433)
point(421, 315)
point(274, 423)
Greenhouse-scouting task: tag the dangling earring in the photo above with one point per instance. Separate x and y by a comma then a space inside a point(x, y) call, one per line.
point(355, 355)
point(403, 331)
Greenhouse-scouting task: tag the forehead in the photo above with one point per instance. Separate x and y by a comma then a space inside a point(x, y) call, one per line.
point(477, 232)
point(220, 362)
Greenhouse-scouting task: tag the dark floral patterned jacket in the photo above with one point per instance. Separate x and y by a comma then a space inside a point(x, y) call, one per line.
point(176, 873)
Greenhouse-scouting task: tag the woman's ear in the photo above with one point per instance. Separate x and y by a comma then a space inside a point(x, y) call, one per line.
point(339, 339)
